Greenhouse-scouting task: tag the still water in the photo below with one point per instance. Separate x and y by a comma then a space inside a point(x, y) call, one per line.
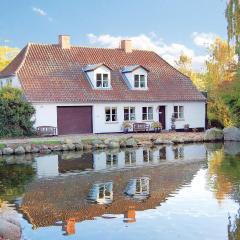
point(169, 192)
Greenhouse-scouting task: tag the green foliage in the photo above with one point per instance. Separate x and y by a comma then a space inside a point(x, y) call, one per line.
point(13, 178)
point(15, 113)
point(2, 146)
point(232, 14)
point(53, 142)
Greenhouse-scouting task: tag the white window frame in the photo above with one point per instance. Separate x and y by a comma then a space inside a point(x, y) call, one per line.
point(139, 81)
point(102, 80)
point(178, 114)
point(111, 114)
point(130, 116)
point(147, 114)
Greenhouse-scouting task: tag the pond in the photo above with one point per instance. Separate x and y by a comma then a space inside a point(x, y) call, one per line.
point(168, 192)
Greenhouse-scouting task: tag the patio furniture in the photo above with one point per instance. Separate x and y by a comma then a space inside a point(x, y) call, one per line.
point(141, 127)
point(46, 131)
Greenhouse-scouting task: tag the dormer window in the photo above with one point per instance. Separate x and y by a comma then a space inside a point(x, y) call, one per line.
point(135, 77)
point(139, 81)
point(98, 75)
point(102, 80)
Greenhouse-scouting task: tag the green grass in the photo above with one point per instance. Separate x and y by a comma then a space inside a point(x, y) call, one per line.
point(53, 142)
point(2, 145)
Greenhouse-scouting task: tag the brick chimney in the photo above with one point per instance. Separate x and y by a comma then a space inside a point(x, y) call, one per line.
point(126, 45)
point(64, 41)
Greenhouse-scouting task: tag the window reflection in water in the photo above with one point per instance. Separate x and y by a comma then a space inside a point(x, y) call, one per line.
point(147, 155)
point(162, 153)
point(112, 160)
point(138, 188)
point(130, 158)
point(178, 152)
point(101, 193)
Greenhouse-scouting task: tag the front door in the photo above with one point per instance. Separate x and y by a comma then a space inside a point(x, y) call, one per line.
point(162, 116)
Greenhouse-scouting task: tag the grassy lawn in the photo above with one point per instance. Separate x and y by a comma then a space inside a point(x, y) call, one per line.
point(53, 142)
point(2, 145)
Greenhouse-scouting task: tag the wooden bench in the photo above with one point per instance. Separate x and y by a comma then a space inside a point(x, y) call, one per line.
point(46, 131)
point(141, 127)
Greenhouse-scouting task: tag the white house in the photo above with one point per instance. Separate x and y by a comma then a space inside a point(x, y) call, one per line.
point(94, 90)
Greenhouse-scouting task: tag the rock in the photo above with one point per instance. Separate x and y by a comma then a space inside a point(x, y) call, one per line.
point(45, 149)
point(65, 147)
point(231, 134)
point(87, 147)
point(7, 151)
point(113, 144)
point(35, 149)
point(56, 148)
point(160, 141)
point(96, 142)
point(213, 134)
point(71, 146)
point(76, 141)
point(79, 146)
point(68, 141)
point(131, 142)
point(19, 150)
point(9, 230)
point(232, 148)
point(28, 148)
point(177, 140)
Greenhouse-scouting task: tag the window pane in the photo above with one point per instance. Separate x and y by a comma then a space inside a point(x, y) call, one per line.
point(126, 117)
point(99, 83)
point(142, 81)
point(114, 118)
point(99, 76)
point(144, 110)
point(150, 110)
point(105, 76)
point(105, 83)
point(136, 81)
point(107, 111)
point(108, 118)
point(150, 116)
point(132, 110)
point(181, 115)
point(175, 115)
point(144, 116)
point(126, 110)
point(175, 109)
point(114, 110)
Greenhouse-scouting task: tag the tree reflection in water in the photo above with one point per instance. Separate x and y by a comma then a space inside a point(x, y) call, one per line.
point(224, 178)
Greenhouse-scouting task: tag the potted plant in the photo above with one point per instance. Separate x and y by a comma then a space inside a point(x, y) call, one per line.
point(173, 120)
point(126, 126)
point(157, 126)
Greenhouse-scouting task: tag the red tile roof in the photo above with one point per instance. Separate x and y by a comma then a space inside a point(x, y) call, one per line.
point(49, 73)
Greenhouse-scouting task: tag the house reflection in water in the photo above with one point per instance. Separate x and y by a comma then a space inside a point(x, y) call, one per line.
point(53, 165)
point(101, 193)
point(138, 188)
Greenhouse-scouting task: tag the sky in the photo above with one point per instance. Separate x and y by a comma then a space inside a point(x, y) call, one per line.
point(169, 28)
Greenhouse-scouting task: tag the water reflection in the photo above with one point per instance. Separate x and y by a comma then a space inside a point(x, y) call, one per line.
point(101, 193)
point(138, 188)
point(150, 189)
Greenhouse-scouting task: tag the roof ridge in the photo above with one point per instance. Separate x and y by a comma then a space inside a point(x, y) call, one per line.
point(91, 47)
point(24, 58)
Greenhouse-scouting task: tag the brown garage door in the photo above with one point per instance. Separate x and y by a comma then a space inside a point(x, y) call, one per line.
point(74, 120)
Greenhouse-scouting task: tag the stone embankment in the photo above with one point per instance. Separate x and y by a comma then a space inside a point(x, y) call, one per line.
point(75, 143)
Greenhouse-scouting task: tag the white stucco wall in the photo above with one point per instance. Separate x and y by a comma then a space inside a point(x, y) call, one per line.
point(13, 81)
point(194, 114)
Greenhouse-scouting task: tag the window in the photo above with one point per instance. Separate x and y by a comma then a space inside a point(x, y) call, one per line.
point(129, 114)
point(130, 158)
point(179, 112)
point(102, 80)
point(140, 81)
point(178, 152)
point(147, 156)
point(147, 113)
point(111, 114)
point(112, 160)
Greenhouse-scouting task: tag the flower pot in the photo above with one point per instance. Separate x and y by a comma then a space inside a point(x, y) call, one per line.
point(125, 130)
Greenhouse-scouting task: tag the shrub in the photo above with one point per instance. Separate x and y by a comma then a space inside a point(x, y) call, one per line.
point(15, 113)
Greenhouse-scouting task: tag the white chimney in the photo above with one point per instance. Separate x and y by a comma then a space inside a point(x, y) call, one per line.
point(126, 45)
point(64, 41)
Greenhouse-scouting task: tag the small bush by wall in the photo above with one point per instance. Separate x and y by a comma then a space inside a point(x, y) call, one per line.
point(15, 113)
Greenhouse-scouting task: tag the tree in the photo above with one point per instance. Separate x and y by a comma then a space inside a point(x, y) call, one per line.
point(7, 54)
point(232, 14)
point(184, 65)
point(15, 113)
